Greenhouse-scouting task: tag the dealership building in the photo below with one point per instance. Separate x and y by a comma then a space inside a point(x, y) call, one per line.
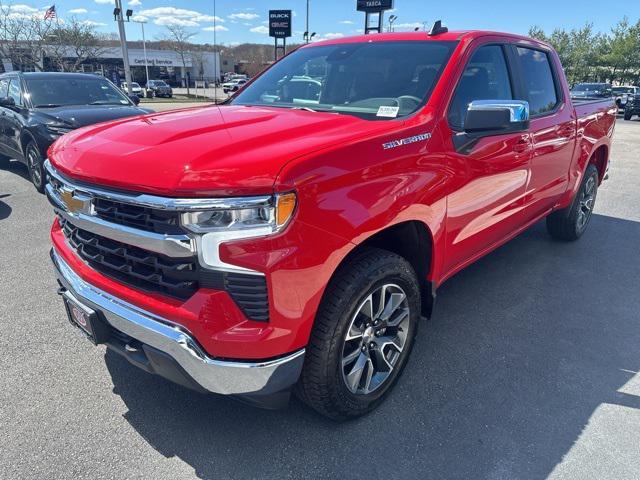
point(163, 64)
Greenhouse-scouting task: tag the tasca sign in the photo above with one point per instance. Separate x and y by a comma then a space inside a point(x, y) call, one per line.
point(374, 5)
point(280, 23)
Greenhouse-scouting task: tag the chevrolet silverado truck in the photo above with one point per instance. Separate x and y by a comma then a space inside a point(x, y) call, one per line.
point(291, 240)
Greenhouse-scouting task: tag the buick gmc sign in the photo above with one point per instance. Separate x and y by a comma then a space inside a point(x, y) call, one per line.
point(372, 6)
point(280, 23)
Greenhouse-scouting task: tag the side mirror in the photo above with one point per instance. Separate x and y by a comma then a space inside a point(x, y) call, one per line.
point(7, 102)
point(135, 99)
point(495, 117)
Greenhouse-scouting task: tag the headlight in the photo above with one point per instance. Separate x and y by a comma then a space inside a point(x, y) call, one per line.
point(267, 214)
point(237, 219)
point(58, 129)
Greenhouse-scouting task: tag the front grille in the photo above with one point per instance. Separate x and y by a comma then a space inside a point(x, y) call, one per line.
point(134, 266)
point(144, 218)
point(177, 278)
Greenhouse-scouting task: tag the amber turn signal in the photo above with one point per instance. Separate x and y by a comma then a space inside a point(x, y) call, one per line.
point(285, 206)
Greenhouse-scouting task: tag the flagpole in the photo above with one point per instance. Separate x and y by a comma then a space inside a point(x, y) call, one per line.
point(215, 56)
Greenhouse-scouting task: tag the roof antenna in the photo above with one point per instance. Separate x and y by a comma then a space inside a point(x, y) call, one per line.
point(437, 28)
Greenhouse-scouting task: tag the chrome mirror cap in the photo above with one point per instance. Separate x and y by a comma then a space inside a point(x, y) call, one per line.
point(518, 109)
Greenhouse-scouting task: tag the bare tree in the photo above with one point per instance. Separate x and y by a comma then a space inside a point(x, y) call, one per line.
point(72, 43)
point(23, 35)
point(178, 38)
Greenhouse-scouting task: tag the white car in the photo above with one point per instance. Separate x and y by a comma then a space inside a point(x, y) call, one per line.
point(623, 94)
point(136, 89)
point(234, 85)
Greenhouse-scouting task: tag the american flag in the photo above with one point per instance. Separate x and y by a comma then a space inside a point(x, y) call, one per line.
point(50, 13)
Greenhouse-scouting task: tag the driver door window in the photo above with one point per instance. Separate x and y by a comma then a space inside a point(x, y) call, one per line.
point(486, 77)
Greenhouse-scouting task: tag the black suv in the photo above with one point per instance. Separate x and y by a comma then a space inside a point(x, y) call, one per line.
point(37, 108)
point(632, 107)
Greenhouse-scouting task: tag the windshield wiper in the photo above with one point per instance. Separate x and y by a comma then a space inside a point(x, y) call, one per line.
point(47, 105)
point(308, 109)
point(105, 102)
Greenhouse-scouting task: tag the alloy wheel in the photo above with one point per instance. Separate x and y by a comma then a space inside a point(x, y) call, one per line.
point(587, 200)
point(375, 339)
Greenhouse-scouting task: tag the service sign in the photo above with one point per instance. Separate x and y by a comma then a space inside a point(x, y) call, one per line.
point(280, 23)
point(374, 6)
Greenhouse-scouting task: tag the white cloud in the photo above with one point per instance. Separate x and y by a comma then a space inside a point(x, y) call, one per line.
point(178, 16)
point(78, 11)
point(333, 35)
point(104, 2)
point(346, 22)
point(171, 21)
point(243, 16)
point(410, 25)
point(135, 3)
point(91, 23)
point(261, 29)
point(217, 28)
point(21, 8)
point(140, 18)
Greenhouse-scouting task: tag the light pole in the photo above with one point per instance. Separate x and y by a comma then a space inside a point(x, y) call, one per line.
point(144, 48)
point(117, 12)
point(307, 29)
point(392, 19)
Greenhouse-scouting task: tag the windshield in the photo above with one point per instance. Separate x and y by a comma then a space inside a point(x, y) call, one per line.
point(376, 80)
point(60, 91)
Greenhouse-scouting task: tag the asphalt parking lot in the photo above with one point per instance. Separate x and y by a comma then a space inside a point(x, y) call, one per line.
point(529, 369)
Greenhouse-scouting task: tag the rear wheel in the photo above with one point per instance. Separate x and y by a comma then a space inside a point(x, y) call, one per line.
point(362, 337)
point(627, 115)
point(570, 223)
point(35, 164)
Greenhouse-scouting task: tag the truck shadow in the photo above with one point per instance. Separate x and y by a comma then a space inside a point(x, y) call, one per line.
point(524, 346)
point(5, 210)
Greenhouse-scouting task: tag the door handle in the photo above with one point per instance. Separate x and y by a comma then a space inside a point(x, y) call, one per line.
point(521, 146)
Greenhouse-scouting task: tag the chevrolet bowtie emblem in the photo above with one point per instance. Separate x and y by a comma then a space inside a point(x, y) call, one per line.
point(73, 204)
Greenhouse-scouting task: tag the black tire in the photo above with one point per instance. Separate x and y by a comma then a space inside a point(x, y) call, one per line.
point(570, 223)
point(4, 161)
point(35, 164)
point(627, 115)
point(323, 382)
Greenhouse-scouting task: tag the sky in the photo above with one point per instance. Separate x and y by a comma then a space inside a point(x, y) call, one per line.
point(240, 21)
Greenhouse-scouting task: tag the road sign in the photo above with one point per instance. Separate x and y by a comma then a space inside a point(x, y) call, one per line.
point(280, 23)
point(374, 6)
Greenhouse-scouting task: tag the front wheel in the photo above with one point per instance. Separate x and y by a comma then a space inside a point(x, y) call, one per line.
point(35, 164)
point(362, 337)
point(570, 223)
point(627, 115)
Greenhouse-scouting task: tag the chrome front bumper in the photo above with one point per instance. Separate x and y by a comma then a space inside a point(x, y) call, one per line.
point(217, 376)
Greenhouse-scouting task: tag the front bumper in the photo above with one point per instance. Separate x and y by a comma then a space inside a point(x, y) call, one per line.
point(252, 379)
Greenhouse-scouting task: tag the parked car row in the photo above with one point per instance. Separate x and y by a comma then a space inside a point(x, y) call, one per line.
point(627, 97)
point(37, 108)
point(158, 88)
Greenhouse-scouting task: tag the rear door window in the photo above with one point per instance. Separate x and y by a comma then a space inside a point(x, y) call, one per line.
point(486, 77)
point(538, 80)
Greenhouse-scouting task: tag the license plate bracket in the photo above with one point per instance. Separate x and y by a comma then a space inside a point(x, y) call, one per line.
point(86, 319)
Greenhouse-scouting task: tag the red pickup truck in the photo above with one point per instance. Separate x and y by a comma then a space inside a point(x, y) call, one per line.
point(292, 238)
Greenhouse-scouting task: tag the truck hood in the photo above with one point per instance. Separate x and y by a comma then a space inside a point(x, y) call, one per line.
point(76, 116)
point(206, 151)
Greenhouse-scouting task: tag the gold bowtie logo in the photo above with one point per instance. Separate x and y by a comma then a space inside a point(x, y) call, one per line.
point(72, 203)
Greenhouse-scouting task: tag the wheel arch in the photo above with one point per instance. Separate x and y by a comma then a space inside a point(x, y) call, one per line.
point(599, 158)
point(411, 240)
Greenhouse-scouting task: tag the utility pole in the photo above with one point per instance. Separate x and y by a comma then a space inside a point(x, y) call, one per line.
point(144, 48)
point(123, 43)
point(215, 55)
